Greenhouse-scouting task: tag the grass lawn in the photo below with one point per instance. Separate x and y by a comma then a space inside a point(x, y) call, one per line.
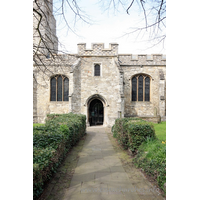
point(160, 130)
point(37, 124)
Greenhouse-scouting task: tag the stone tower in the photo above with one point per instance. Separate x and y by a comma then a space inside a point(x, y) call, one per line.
point(44, 28)
point(45, 40)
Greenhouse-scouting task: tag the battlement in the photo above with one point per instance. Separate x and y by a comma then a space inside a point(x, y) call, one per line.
point(97, 49)
point(142, 59)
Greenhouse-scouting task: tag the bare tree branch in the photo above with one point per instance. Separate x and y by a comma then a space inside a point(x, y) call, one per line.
point(129, 7)
point(141, 2)
point(154, 12)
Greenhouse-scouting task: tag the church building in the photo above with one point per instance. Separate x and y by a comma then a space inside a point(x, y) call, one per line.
point(101, 84)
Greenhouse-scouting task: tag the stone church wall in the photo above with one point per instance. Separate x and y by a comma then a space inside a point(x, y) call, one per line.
point(113, 87)
point(41, 92)
point(141, 108)
point(151, 65)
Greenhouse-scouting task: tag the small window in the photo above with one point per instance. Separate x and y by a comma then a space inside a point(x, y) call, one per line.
point(97, 70)
point(59, 88)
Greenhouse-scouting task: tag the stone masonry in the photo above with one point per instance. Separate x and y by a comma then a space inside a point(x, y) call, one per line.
point(113, 87)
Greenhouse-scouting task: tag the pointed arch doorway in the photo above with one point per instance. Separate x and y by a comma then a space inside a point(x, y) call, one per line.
point(96, 112)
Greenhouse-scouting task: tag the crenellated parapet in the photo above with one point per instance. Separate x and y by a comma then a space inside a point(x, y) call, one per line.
point(142, 59)
point(97, 49)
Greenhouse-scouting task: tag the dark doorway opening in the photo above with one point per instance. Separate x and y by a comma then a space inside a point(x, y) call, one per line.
point(96, 114)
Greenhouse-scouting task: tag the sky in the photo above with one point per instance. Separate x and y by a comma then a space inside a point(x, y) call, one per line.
point(106, 26)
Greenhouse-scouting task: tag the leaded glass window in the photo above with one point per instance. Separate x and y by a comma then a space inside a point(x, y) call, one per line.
point(134, 89)
point(66, 89)
point(53, 89)
point(59, 88)
point(141, 88)
point(147, 88)
point(97, 70)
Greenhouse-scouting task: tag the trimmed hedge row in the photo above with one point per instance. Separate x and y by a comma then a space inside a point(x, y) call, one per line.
point(131, 132)
point(50, 144)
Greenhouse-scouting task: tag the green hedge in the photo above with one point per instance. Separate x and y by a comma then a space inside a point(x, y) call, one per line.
point(131, 132)
point(138, 132)
point(151, 158)
point(50, 144)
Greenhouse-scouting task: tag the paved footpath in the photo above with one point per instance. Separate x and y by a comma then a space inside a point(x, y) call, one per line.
point(99, 173)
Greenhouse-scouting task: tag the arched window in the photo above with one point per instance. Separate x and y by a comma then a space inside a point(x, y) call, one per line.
point(97, 70)
point(59, 88)
point(141, 88)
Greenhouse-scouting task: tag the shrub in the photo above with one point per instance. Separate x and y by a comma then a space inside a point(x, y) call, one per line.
point(138, 132)
point(43, 140)
point(151, 158)
point(51, 142)
point(120, 132)
point(121, 129)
